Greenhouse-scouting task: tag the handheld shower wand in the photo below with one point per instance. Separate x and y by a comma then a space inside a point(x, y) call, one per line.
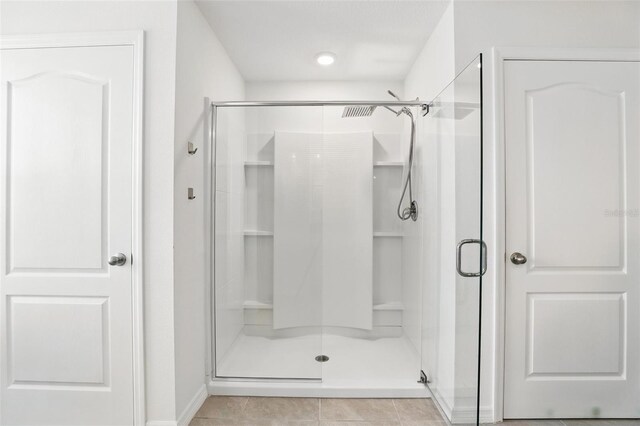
point(412, 210)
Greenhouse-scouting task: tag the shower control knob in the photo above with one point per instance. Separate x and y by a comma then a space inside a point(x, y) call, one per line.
point(518, 258)
point(117, 260)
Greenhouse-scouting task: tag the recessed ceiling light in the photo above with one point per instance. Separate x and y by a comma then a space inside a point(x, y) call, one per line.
point(325, 58)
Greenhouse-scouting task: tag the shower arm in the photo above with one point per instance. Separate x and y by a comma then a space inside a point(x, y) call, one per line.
point(397, 113)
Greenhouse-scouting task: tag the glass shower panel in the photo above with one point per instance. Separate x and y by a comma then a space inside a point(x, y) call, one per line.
point(267, 244)
point(371, 305)
point(454, 253)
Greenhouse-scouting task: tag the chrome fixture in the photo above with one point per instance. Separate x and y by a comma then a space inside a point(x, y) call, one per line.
point(412, 210)
point(191, 149)
point(117, 260)
point(518, 258)
point(351, 111)
point(241, 104)
point(358, 111)
point(483, 257)
point(190, 195)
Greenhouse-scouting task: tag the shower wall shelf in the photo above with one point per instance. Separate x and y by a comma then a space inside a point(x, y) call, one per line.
point(258, 163)
point(387, 235)
point(376, 164)
point(388, 164)
point(254, 304)
point(255, 233)
point(390, 306)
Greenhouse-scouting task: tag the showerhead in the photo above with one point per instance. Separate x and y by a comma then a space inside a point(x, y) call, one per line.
point(358, 111)
point(367, 110)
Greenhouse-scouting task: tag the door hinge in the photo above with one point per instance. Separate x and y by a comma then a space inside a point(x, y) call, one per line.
point(423, 378)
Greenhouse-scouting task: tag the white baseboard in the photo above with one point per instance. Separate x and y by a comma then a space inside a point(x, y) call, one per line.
point(463, 413)
point(468, 415)
point(192, 408)
point(187, 414)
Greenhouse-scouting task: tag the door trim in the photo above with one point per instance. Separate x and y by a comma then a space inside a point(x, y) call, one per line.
point(500, 56)
point(136, 40)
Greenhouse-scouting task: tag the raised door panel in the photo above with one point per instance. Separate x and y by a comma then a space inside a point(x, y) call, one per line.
point(57, 145)
point(572, 335)
point(69, 349)
point(576, 160)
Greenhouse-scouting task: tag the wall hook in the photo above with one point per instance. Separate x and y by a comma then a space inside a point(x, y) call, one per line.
point(191, 149)
point(190, 194)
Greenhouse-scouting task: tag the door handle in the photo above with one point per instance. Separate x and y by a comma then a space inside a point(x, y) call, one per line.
point(483, 256)
point(117, 260)
point(518, 258)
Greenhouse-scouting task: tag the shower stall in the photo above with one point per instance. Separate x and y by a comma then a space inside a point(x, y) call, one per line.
point(346, 247)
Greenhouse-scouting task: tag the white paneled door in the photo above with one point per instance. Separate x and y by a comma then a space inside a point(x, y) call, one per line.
point(572, 132)
point(68, 131)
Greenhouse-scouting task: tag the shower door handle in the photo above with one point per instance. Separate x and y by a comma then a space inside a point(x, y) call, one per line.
point(483, 257)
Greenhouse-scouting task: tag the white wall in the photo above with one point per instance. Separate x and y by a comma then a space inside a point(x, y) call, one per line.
point(203, 68)
point(472, 27)
point(435, 66)
point(158, 19)
point(181, 51)
point(323, 90)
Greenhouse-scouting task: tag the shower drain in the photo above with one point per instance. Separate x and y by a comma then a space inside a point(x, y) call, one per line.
point(322, 358)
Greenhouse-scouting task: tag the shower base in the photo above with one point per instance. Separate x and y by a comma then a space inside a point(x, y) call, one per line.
point(371, 368)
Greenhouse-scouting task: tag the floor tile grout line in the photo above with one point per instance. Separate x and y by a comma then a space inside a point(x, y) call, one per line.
point(395, 408)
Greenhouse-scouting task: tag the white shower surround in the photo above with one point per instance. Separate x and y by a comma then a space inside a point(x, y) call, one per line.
point(323, 186)
point(389, 133)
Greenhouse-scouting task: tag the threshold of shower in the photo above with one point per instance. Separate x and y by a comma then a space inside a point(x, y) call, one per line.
point(314, 389)
point(356, 368)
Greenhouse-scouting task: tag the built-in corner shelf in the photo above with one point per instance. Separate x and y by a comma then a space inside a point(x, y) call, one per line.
point(389, 306)
point(256, 233)
point(387, 234)
point(388, 164)
point(254, 304)
point(261, 163)
point(258, 163)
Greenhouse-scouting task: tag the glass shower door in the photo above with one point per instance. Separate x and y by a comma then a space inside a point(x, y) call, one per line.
point(267, 239)
point(455, 254)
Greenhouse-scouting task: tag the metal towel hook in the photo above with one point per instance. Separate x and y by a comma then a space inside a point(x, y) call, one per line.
point(191, 149)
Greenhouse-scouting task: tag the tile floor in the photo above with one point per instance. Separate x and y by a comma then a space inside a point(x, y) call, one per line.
point(232, 410)
point(220, 410)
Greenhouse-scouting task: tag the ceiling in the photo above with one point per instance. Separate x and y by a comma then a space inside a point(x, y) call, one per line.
point(279, 40)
